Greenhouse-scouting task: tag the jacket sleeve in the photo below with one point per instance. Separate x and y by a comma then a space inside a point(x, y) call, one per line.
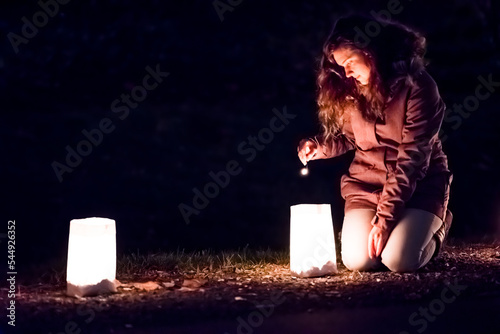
point(336, 146)
point(424, 115)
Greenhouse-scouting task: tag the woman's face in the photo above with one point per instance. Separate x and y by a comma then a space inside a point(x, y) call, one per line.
point(354, 64)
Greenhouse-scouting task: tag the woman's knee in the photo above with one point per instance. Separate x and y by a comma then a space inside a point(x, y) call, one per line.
point(355, 233)
point(409, 261)
point(411, 244)
point(356, 260)
point(400, 263)
point(359, 264)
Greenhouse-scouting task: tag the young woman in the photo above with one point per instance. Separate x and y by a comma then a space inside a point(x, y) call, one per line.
point(376, 98)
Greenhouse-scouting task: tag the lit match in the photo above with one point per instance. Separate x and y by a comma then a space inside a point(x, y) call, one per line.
point(304, 171)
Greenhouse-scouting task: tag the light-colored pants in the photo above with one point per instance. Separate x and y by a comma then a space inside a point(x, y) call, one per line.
point(409, 247)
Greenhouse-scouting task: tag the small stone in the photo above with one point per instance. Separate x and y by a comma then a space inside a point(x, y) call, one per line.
point(168, 285)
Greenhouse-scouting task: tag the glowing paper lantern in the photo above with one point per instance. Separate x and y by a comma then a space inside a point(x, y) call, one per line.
point(91, 257)
point(312, 242)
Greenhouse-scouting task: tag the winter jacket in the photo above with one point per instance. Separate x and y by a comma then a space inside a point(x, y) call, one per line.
point(399, 161)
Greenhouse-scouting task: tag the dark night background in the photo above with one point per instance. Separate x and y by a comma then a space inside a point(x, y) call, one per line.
point(225, 79)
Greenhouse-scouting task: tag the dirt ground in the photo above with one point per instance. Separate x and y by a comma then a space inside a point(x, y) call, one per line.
point(267, 299)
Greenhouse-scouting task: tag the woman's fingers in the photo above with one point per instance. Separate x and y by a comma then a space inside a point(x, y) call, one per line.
point(371, 242)
point(376, 242)
point(306, 151)
point(371, 250)
point(302, 158)
point(378, 249)
point(310, 155)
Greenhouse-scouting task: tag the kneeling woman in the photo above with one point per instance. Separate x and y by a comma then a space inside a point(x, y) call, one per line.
point(377, 99)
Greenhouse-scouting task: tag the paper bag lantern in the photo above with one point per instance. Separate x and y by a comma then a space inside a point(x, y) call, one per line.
point(91, 257)
point(312, 242)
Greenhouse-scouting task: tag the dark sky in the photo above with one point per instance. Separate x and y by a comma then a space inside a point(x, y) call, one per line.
point(172, 95)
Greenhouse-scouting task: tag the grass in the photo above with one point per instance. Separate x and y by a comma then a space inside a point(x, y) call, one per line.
point(181, 288)
point(137, 264)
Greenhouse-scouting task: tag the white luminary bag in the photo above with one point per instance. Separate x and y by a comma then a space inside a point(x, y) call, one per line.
point(91, 257)
point(312, 242)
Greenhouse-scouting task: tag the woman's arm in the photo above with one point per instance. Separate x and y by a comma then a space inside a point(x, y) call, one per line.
point(317, 147)
point(424, 115)
point(334, 147)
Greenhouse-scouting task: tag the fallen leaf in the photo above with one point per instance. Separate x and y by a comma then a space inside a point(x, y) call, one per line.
point(185, 289)
point(148, 286)
point(193, 283)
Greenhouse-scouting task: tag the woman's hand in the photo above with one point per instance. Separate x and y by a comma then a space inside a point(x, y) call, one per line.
point(307, 150)
point(376, 241)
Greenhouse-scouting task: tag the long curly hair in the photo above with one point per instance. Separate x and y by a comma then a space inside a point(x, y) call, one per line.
point(396, 52)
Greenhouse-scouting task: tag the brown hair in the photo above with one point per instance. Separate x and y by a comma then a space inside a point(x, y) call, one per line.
point(395, 53)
